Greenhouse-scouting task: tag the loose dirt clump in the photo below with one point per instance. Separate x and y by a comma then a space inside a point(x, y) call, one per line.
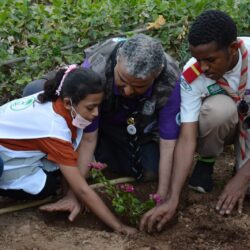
point(196, 225)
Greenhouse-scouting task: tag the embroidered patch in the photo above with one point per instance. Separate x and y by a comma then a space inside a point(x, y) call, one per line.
point(185, 85)
point(22, 104)
point(178, 119)
point(247, 92)
point(247, 96)
point(191, 73)
point(215, 89)
point(148, 108)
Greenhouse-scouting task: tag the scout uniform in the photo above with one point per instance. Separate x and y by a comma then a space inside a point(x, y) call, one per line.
point(195, 88)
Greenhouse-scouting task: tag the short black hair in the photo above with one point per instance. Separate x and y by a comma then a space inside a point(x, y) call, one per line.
point(213, 25)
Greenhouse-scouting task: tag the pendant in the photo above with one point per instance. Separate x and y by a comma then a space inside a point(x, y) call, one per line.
point(131, 120)
point(131, 129)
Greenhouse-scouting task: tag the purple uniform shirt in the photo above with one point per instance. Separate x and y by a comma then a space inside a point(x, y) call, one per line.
point(169, 115)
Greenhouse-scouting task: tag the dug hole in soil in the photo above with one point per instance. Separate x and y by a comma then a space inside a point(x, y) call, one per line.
point(195, 226)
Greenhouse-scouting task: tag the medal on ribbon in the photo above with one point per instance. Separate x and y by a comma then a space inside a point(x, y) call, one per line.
point(131, 129)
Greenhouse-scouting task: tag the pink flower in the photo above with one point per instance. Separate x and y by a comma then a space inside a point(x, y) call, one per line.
point(156, 198)
point(97, 165)
point(128, 188)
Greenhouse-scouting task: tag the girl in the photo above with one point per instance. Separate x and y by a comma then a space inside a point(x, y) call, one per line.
point(40, 133)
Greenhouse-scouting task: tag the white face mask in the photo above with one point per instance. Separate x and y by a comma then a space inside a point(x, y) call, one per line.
point(78, 121)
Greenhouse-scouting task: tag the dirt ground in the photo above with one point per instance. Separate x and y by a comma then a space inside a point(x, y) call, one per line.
point(195, 226)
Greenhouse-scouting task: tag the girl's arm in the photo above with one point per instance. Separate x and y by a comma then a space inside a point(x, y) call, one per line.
point(86, 151)
point(89, 198)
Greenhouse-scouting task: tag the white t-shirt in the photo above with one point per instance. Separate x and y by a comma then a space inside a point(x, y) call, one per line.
point(193, 94)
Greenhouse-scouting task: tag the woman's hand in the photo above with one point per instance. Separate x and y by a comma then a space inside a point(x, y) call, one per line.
point(158, 216)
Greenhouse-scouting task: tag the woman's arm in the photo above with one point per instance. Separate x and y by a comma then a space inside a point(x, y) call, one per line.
point(165, 166)
point(183, 159)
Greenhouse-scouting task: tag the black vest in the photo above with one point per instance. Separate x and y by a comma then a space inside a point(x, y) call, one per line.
point(102, 58)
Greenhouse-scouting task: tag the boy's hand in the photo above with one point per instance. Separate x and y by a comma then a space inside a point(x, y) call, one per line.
point(233, 193)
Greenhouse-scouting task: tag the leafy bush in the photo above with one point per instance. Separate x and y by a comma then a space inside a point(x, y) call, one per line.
point(52, 33)
point(122, 197)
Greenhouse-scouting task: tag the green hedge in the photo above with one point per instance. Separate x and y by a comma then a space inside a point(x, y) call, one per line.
point(53, 33)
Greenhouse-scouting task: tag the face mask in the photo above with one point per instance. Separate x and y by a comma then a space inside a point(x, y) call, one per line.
point(78, 121)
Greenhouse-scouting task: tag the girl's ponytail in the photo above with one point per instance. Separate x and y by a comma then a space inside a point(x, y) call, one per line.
point(50, 88)
point(73, 82)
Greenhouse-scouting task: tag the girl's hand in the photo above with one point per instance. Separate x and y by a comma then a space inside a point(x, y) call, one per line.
point(67, 203)
point(126, 230)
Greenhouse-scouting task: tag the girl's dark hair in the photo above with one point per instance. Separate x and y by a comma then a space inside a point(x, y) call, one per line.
point(213, 25)
point(79, 83)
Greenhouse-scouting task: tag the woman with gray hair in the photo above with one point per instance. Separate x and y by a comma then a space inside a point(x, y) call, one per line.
point(142, 55)
point(139, 118)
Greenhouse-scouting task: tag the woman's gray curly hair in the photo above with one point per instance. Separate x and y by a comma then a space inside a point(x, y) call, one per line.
point(142, 55)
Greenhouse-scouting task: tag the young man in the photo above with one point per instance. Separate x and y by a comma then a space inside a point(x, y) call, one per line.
point(138, 123)
point(215, 95)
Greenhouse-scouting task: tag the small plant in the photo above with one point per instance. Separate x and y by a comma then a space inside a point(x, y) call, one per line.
point(122, 196)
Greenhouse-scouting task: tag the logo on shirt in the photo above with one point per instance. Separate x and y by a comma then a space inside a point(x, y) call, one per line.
point(22, 104)
point(215, 89)
point(148, 108)
point(185, 85)
point(247, 92)
point(178, 119)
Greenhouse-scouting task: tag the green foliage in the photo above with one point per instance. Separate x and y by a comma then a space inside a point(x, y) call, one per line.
point(123, 199)
point(41, 29)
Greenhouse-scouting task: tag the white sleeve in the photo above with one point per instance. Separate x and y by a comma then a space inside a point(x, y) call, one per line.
point(190, 101)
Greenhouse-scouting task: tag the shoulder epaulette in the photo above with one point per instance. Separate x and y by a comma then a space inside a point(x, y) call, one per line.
point(192, 72)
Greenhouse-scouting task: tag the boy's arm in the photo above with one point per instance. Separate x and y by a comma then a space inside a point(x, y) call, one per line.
point(235, 191)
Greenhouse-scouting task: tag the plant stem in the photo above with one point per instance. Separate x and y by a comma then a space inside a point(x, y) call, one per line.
point(50, 198)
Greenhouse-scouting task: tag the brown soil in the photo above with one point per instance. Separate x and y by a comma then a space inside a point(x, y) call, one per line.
point(195, 226)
